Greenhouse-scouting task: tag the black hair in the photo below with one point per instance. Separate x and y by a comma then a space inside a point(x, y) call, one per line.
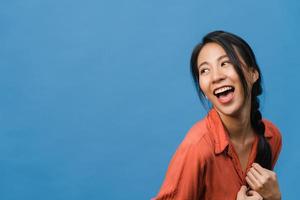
point(233, 45)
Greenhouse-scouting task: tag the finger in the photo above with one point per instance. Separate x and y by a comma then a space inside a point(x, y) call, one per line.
point(259, 168)
point(258, 177)
point(254, 198)
point(250, 183)
point(252, 193)
point(265, 174)
point(253, 179)
point(243, 189)
point(242, 192)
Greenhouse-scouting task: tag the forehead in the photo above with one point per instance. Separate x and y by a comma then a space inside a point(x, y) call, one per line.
point(210, 52)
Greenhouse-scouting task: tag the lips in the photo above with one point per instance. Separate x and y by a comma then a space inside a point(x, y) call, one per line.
point(224, 94)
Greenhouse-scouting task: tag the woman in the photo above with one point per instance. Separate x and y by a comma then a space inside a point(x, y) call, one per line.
point(230, 154)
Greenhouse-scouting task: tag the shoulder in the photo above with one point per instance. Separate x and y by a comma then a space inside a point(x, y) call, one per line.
point(187, 166)
point(197, 131)
point(197, 140)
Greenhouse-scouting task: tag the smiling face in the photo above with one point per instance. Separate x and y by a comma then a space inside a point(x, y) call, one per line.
point(220, 82)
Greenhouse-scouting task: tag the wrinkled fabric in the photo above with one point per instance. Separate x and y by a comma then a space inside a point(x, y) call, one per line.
point(206, 167)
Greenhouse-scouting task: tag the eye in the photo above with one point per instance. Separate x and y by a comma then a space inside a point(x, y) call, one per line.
point(204, 71)
point(225, 63)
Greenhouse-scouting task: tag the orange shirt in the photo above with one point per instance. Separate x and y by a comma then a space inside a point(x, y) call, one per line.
point(206, 166)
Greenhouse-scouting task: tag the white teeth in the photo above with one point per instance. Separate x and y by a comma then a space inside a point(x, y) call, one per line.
point(223, 89)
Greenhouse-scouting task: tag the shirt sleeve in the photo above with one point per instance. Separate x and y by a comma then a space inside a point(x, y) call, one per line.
point(184, 177)
point(277, 146)
point(275, 140)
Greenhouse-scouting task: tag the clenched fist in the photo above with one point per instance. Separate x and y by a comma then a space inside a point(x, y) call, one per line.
point(264, 182)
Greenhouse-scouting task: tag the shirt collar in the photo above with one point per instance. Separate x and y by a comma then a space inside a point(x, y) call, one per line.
point(219, 133)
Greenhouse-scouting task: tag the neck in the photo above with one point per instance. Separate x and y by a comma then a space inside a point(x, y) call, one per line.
point(238, 126)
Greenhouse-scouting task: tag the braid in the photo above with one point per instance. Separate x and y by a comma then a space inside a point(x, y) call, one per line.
point(264, 153)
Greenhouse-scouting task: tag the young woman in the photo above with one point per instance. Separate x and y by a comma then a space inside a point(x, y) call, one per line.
point(230, 154)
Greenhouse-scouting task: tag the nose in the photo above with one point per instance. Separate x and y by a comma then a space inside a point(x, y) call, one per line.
point(218, 75)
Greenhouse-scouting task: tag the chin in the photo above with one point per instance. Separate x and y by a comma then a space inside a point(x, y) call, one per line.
point(232, 110)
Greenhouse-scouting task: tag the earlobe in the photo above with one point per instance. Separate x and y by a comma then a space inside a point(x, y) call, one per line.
point(255, 75)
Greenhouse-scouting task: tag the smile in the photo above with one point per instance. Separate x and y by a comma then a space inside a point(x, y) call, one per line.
point(223, 91)
point(224, 94)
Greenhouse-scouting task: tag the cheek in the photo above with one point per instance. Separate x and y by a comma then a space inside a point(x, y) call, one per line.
point(233, 74)
point(203, 85)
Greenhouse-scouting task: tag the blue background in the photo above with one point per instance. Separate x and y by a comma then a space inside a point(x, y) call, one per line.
point(97, 95)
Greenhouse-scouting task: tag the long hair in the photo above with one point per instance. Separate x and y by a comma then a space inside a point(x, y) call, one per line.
point(234, 46)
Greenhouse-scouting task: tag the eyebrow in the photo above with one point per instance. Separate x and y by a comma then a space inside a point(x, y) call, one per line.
point(205, 62)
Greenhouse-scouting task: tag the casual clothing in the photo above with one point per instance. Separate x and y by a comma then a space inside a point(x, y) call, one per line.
point(206, 166)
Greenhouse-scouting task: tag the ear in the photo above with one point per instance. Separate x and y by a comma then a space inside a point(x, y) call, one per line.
point(254, 75)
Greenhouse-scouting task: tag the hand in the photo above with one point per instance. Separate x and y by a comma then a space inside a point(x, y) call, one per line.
point(251, 195)
point(264, 182)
